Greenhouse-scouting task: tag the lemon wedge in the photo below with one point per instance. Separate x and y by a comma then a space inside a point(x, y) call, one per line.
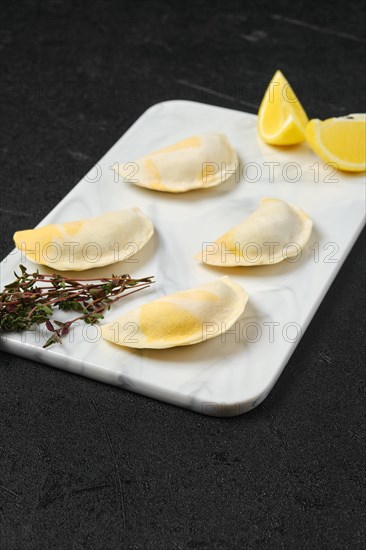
point(341, 141)
point(281, 117)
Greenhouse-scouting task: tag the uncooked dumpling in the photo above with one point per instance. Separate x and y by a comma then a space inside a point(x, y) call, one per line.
point(88, 243)
point(273, 232)
point(196, 162)
point(180, 319)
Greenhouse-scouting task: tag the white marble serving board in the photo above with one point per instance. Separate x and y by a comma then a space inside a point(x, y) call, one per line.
point(231, 374)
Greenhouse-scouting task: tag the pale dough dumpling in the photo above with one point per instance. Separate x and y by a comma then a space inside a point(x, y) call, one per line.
point(88, 243)
point(274, 231)
point(195, 162)
point(180, 319)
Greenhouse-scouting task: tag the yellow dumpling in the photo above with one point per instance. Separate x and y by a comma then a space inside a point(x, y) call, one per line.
point(196, 162)
point(275, 231)
point(180, 319)
point(88, 243)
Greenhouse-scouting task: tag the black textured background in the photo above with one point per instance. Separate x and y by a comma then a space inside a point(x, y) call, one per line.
point(85, 465)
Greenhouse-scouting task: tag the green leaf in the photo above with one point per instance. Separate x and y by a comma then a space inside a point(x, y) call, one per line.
point(54, 339)
point(71, 305)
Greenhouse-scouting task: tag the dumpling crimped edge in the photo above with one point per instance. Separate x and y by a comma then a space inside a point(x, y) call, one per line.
point(301, 239)
point(120, 331)
point(170, 168)
point(121, 234)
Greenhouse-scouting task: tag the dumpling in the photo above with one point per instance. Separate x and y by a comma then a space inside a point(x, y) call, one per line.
point(196, 162)
point(273, 232)
point(88, 243)
point(180, 319)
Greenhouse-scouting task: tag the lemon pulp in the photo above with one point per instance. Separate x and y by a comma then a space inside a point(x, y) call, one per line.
point(281, 117)
point(341, 141)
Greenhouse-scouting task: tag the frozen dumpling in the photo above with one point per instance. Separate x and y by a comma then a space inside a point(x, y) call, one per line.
point(88, 243)
point(180, 319)
point(273, 232)
point(196, 162)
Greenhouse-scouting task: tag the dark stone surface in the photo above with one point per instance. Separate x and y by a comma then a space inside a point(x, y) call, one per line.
point(85, 465)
